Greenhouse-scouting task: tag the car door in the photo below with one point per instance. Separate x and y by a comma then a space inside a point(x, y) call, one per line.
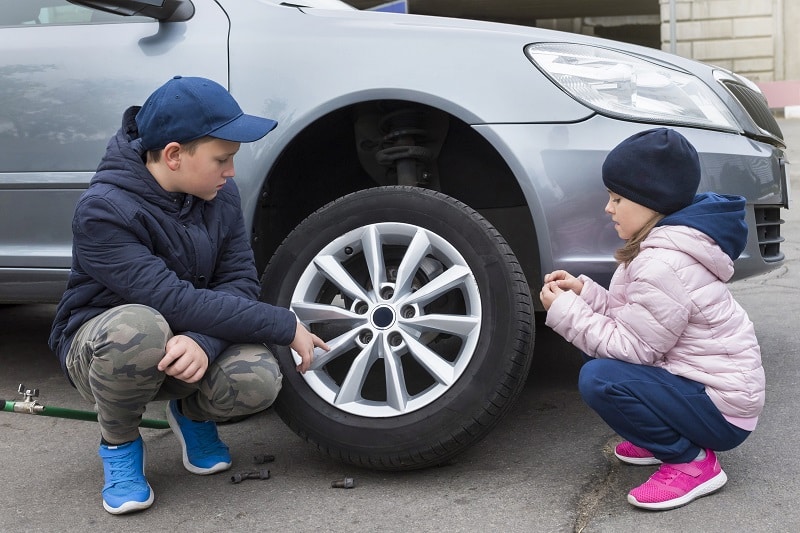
point(67, 73)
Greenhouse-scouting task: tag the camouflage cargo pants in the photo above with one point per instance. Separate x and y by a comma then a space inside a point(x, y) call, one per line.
point(113, 363)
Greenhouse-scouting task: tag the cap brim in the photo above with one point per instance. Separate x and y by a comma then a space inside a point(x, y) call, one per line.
point(244, 129)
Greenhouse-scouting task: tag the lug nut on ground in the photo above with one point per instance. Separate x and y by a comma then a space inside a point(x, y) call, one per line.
point(346, 483)
point(263, 458)
point(256, 474)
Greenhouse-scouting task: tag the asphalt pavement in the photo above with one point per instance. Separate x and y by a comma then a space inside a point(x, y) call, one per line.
point(548, 466)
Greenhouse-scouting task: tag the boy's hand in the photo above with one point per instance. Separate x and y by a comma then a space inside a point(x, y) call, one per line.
point(304, 343)
point(185, 359)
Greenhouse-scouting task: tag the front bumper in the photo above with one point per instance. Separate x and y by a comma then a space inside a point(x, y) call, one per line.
point(558, 167)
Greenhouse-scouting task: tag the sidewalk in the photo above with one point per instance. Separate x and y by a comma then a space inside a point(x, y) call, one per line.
point(783, 97)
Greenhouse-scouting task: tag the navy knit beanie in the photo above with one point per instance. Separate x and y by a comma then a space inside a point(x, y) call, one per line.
point(656, 168)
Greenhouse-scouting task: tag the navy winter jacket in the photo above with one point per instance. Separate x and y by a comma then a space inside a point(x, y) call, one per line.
point(190, 259)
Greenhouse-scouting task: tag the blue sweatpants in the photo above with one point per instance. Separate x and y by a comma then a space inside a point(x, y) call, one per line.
point(671, 416)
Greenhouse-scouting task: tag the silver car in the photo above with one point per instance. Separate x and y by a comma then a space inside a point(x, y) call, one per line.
point(424, 174)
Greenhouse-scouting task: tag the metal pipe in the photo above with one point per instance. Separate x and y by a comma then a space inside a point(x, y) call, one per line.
point(673, 43)
point(34, 408)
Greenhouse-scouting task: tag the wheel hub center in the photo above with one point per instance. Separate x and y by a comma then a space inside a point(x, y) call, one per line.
point(383, 317)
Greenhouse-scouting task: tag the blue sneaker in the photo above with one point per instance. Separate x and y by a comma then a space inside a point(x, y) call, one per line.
point(203, 452)
point(125, 490)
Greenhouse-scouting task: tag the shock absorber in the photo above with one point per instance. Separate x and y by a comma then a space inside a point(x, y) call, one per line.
point(401, 147)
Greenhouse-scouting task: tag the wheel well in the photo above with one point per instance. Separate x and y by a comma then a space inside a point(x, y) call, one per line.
point(386, 143)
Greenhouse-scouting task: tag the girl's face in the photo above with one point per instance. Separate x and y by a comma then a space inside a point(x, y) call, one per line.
point(628, 216)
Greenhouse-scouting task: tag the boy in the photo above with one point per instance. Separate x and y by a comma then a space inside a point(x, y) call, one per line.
point(162, 299)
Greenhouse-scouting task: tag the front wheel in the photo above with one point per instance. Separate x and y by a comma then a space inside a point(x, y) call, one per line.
point(429, 321)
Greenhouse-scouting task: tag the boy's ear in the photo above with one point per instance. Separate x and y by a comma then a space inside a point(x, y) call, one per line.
point(171, 155)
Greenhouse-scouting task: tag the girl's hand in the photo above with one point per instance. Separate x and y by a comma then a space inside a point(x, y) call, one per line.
point(557, 275)
point(550, 291)
point(564, 280)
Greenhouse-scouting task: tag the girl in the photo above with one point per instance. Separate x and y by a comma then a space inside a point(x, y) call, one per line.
point(676, 366)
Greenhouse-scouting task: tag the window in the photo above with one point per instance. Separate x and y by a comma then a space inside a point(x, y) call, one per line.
point(54, 12)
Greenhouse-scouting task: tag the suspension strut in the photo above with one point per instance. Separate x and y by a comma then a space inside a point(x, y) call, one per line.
point(401, 147)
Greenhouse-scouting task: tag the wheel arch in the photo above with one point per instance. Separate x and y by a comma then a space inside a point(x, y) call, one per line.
point(331, 157)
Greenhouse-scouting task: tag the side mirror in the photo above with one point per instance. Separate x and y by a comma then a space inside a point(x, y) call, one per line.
point(161, 10)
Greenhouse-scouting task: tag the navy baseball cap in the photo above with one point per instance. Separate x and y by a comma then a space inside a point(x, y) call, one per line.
point(188, 108)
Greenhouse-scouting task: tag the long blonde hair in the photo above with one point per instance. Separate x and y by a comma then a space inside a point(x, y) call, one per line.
point(632, 246)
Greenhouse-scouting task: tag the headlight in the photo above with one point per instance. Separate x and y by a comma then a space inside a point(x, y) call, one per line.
point(627, 86)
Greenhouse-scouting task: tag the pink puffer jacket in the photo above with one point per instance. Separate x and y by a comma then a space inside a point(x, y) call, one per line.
point(671, 308)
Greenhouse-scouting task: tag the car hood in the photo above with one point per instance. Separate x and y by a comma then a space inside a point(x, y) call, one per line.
point(460, 46)
point(494, 30)
point(710, 74)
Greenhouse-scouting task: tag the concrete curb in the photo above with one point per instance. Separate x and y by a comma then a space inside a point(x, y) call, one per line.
point(787, 112)
point(791, 111)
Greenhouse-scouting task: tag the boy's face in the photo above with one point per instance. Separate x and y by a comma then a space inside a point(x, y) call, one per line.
point(628, 216)
point(204, 172)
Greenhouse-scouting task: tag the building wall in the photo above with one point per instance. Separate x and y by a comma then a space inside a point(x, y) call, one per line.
point(755, 38)
point(735, 34)
point(790, 31)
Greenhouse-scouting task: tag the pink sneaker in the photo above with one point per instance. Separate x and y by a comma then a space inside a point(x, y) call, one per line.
point(628, 452)
point(674, 485)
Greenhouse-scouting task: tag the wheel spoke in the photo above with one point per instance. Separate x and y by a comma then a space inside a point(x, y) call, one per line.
point(396, 392)
point(457, 325)
point(440, 369)
point(373, 255)
point(451, 278)
point(350, 390)
point(333, 270)
point(338, 346)
point(418, 248)
point(309, 313)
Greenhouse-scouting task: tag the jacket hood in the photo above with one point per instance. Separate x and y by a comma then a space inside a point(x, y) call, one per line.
point(721, 217)
point(123, 166)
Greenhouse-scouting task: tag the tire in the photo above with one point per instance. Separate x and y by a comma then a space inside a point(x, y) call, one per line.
point(426, 355)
